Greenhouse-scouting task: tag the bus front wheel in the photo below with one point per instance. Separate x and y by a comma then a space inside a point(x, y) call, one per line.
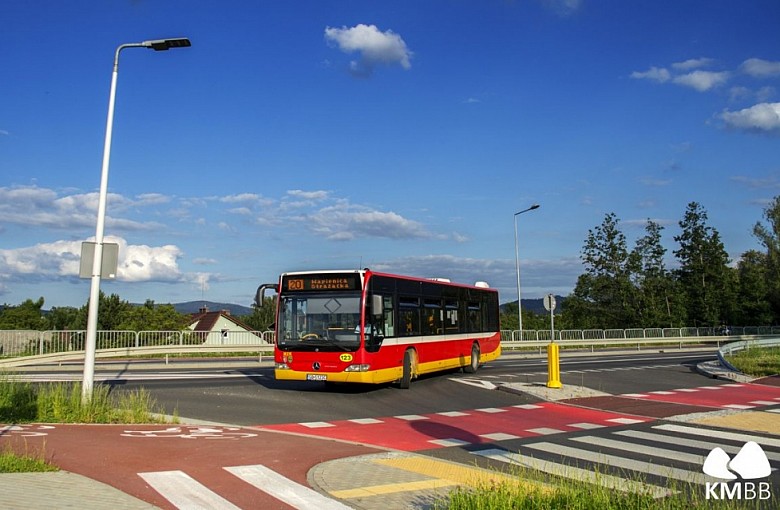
point(472, 367)
point(406, 375)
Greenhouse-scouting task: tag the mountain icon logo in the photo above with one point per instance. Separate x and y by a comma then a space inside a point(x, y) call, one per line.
point(749, 463)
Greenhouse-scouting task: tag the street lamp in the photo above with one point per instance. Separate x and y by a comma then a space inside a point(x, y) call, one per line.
point(94, 294)
point(517, 269)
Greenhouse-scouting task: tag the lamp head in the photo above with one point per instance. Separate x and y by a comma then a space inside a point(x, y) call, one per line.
point(166, 44)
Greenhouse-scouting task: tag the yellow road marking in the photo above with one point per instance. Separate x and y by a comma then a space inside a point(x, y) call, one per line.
point(390, 488)
point(442, 473)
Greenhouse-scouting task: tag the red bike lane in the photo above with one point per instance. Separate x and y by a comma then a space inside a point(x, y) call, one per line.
point(118, 455)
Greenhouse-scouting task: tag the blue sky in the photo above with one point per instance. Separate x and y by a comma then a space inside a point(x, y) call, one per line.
point(401, 136)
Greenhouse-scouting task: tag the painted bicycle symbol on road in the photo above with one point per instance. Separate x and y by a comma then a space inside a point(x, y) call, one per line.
point(25, 430)
point(194, 432)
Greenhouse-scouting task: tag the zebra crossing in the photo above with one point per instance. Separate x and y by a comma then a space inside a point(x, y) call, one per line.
point(648, 458)
point(186, 493)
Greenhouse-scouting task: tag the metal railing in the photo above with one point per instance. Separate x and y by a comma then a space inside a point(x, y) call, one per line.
point(21, 347)
point(637, 333)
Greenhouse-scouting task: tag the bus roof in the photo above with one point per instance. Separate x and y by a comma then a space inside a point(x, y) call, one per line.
point(363, 272)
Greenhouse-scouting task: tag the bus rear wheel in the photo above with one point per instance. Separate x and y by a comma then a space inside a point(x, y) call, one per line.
point(406, 375)
point(473, 366)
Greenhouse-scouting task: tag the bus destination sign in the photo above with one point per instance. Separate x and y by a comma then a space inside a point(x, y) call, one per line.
point(297, 283)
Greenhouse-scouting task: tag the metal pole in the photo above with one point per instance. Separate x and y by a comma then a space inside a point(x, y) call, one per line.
point(517, 271)
point(97, 263)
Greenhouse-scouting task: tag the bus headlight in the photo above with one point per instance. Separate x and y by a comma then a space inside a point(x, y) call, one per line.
point(358, 368)
point(282, 366)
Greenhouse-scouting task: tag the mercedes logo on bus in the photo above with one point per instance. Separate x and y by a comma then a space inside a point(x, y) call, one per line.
point(316, 365)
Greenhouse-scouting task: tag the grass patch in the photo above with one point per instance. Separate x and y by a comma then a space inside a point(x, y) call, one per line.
point(13, 463)
point(22, 402)
point(565, 494)
point(757, 361)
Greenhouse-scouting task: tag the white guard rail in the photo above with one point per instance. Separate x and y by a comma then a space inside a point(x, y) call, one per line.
point(25, 347)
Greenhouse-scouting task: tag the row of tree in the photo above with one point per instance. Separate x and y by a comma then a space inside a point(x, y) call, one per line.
point(115, 314)
point(620, 288)
point(623, 288)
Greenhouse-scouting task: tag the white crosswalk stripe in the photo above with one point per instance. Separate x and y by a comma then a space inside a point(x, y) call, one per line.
point(608, 457)
point(284, 489)
point(645, 466)
point(693, 443)
point(654, 451)
point(574, 473)
point(186, 493)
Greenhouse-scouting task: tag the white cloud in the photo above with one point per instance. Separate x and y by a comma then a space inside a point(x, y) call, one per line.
point(251, 198)
point(687, 73)
point(659, 74)
point(702, 80)
point(31, 206)
point(309, 195)
point(152, 199)
point(61, 260)
point(344, 221)
point(373, 46)
point(763, 117)
point(142, 263)
point(759, 68)
point(693, 63)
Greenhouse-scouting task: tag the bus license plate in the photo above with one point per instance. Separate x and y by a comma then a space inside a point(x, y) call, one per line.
point(316, 377)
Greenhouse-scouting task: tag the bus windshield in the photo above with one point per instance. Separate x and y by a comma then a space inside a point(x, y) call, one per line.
point(319, 322)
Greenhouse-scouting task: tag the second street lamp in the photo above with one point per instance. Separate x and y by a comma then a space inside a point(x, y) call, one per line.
point(97, 261)
point(517, 270)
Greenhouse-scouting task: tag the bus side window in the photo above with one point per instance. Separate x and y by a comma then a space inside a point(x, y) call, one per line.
point(474, 317)
point(451, 316)
point(432, 317)
point(409, 316)
point(389, 318)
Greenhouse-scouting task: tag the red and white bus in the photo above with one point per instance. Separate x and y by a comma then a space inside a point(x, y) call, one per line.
point(362, 326)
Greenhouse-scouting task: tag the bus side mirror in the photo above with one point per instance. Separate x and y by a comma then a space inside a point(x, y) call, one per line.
point(377, 309)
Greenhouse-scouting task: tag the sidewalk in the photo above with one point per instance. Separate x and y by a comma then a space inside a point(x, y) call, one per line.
point(63, 490)
point(372, 481)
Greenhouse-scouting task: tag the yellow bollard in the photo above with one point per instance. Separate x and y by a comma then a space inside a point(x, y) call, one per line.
point(553, 366)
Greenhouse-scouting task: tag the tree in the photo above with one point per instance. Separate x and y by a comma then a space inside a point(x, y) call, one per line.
point(61, 318)
point(110, 310)
point(706, 279)
point(753, 307)
point(769, 236)
point(262, 318)
point(27, 315)
point(508, 318)
point(660, 303)
point(152, 317)
point(604, 296)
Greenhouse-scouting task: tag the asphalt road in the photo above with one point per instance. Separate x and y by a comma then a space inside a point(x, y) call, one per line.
point(251, 396)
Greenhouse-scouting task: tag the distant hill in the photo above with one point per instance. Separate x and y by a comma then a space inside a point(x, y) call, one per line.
point(537, 305)
point(195, 306)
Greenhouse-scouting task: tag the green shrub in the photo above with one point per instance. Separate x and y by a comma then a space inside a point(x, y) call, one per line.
point(22, 402)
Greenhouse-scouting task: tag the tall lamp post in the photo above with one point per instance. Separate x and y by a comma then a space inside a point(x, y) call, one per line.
point(94, 293)
point(517, 270)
